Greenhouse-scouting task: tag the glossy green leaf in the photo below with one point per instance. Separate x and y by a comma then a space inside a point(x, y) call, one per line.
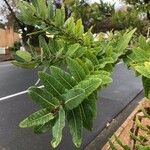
point(50, 9)
point(89, 110)
point(60, 16)
point(24, 55)
point(141, 147)
point(88, 37)
point(63, 77)
point(123, 42)
point(43, 98)
point(52, 85)
point(25, 65)
point(38, 118)
point(74, 118)
point(143, 69)
point(72, 49)
point(57, 128)
point(42, 10)
point(76, 70)
point(79, 29)
point(27, 12)
point(44, 46)
point(74, 97)
point(70, 24)
point(43, 128)
point(106, 79)
point(92, 58)
point(90, 85)
point(146, 85)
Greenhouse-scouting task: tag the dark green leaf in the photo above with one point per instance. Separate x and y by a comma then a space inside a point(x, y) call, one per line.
point(75, 124)
point(146, 85)
point(38, 118)
point(74, 97)
point(50, 9)
point(63, 77)
point(70, 24)
point(42, 9)
point(76, 70)
point(44, 46)
point(52, 85)
point(25, 65)
point(90, 85)
point(57, 128)
point(43, 98)
point(88, 110)
point(24, 55)
point(79, 29)
point(43, 128)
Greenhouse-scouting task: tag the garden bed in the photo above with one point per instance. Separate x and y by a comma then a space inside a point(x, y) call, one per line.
point(130, 126)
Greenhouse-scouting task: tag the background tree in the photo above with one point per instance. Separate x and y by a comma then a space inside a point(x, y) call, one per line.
point(141, 5)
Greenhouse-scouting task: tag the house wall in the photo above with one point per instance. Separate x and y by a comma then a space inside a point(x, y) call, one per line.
point(8, 37)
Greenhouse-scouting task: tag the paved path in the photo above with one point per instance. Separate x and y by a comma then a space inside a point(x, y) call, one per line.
point(15, 105)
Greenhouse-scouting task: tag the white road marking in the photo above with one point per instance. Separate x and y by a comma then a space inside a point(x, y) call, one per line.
point(16, 94)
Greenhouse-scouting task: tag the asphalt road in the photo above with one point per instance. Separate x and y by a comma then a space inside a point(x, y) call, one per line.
point(14, 108)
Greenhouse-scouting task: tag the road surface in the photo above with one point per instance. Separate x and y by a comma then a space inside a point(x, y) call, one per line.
point(15, 105)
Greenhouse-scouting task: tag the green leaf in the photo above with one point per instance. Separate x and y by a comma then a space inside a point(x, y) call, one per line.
point(92, 58)
point(88, 37)
point(140, 55)
point(106, 79)
point(27, 12)
point(125, 147)
point(140, 125)
point(123, 42)
point(143, 69)
point(43, 128)
point(42, 9)
point(25, 65)
point(60, 17)
point(84, 66)
point(88, 109)
point(76, 69)
point(112, 146)
point(52, 85)
point(74, 118)
point(24, 55)
point(70, 24)
point(104, 61)
point(63, 77)
point(44, 46)
point(146, 85)
point(72, 49)
point(79, 29)
point(57, 128)
point(50, 9)
point(89, 85)
point(141, 147)
point(43, 98)
point(74, 97)
point(38, 118)
point(79, 52)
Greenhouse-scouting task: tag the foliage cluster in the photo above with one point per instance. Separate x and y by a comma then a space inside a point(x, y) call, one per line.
point(140, 140)
point(78, 65)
